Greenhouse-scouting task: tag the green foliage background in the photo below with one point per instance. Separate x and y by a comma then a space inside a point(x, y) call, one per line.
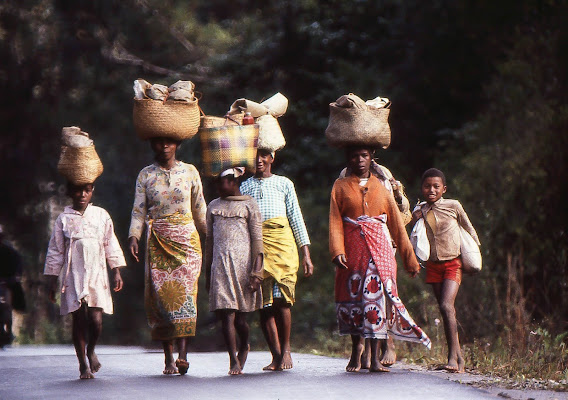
point(478, 89)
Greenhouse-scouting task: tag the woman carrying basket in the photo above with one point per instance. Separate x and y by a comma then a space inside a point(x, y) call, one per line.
point(169, 200)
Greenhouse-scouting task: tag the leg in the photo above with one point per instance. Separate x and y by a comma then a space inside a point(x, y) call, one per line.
point(357, 347)
point(388, 357)
point(446, 293)
point(376, 365)
point(227, 318)
point(95, 329)
point(268, 325)
point(366, 356)
point(181, 362)
point(80, 341)
point(170, 365)
point(283, 318)
point(242, 327)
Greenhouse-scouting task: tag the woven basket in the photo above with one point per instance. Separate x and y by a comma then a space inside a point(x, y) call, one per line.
point(178, 120)
point(228, 146)
point(209, 121)
point(357, 125)
point(80, 165)
point(270, 135)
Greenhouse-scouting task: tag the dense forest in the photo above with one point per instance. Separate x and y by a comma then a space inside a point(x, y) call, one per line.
point(478, 88)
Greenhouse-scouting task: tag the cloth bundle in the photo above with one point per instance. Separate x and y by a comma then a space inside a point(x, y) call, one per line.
point(79, 162)
point(354, 122)
point(161, 111)
point(270, 136)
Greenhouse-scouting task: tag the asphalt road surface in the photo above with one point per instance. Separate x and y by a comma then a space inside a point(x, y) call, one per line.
point(51, 372)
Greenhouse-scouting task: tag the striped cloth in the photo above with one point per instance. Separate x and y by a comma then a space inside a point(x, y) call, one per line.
point(276, 197)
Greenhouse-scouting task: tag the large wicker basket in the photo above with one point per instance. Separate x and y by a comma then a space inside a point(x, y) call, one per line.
point(228, 146)
point(80, 165)
point(178, 120)
point(358, 125)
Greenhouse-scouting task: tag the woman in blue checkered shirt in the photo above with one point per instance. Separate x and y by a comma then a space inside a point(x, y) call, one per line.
point(283, 228)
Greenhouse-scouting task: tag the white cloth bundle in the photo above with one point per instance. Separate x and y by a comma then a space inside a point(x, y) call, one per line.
point(470, 253)
point(419, 240)
point(73, 136)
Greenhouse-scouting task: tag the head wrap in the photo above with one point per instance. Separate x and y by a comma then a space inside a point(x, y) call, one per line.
point(236, 171)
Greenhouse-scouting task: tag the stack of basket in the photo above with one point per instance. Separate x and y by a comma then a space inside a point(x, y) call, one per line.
point(354, 122)
point(226, 143)
point(79, 162)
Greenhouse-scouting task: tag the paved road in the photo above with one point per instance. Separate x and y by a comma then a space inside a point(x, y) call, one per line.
point(51, 372)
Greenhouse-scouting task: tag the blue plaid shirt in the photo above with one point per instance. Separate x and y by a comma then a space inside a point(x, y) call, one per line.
point(276, 197)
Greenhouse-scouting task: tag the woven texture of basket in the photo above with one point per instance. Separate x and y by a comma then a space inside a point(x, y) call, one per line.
point(80, 165)
point(357, 124)
point(209, 121)
point(228, 146)
point(178, 120)
point(270, 135)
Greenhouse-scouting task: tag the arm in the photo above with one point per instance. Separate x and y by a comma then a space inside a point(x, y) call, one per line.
point(139, 211)
point(464, 221)
point(400, 237)
point(54, 258)
point(114, 254)
point(208, 260)
point(257, 251)
point(198, 205)
point(294, 214)
point(336, 235)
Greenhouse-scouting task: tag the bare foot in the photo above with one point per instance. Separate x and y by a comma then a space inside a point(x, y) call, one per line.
point(455, 366)
point(235, 368)
point(273, 366)
point(389, 354)
point(286, 362)
point(378, 367)
point(355, 360)
point(182, 366)
point(242, 355)
point(85, 373)
point(94, 362)
point(170, 368)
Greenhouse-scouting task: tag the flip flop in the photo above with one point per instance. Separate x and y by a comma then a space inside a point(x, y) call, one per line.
point(182, 366)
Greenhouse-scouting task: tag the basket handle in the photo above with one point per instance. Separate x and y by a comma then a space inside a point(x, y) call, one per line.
point(228, 116)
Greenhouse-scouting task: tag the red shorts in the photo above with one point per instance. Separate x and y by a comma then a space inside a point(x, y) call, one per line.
point(437, 271)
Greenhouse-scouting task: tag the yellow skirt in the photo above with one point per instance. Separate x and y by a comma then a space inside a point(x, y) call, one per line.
point(280, 260)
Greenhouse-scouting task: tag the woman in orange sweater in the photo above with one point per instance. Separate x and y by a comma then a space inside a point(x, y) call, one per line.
point(365, 226)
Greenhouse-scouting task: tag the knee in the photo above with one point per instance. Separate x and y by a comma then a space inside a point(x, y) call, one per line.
point(447, 309)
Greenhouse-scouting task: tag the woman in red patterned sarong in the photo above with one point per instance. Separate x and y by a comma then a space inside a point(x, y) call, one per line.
point(169, 201)
point(364, 227)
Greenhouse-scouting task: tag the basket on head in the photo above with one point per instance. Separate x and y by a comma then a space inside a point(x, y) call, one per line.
point(80, 165)
point(177, 120)
point(225, 146)
point(354, 123)
point(270, 135)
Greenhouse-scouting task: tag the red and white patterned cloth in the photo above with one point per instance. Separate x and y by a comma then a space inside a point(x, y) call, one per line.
point(367, 288)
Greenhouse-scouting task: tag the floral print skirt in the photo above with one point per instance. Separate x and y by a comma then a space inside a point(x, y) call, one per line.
point(173, 264)
point(366, 295)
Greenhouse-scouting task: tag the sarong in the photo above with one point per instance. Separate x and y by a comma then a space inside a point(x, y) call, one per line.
point(367, 289)
point(281, 260)
point(173, 264)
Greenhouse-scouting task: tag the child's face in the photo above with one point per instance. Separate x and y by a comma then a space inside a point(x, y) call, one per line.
point(81, 196)
point(432, 189)
point(227, 187)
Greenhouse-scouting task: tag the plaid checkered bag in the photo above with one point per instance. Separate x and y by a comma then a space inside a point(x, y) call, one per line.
point(228, 146)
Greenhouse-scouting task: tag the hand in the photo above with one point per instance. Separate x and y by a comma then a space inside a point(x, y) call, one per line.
point(340, 261)
point(414, 274)
point(307, 262)
point(133, 245)
point(254, 283)
point(416, 215)
point(52, 295)
point(118, 283)
point(52, 288)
